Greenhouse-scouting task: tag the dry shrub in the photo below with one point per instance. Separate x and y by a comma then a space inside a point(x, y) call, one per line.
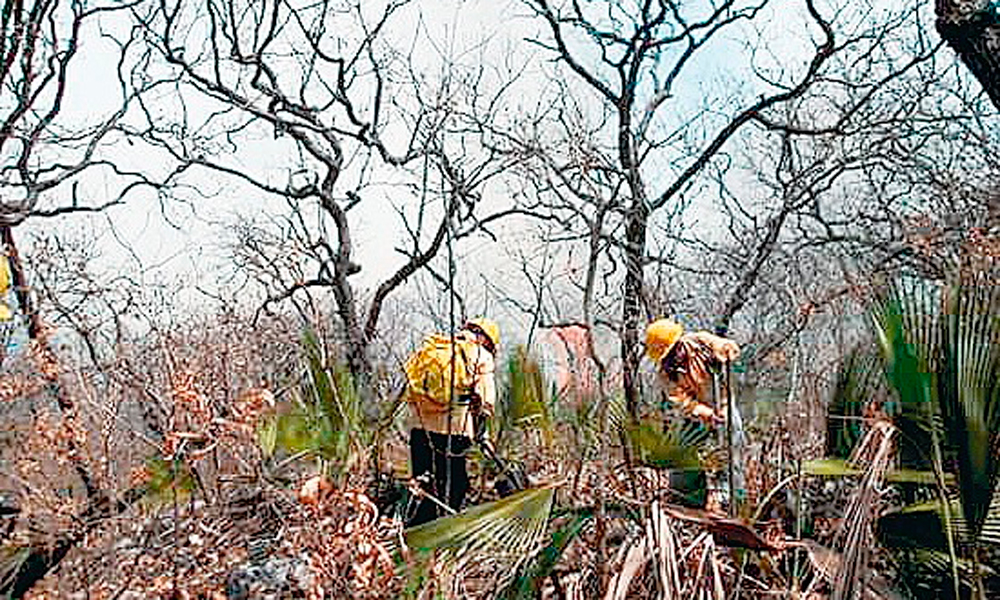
point(348, 544)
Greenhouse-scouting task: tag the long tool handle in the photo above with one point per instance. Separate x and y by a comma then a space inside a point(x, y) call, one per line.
point(491, 454)
point(729, 438)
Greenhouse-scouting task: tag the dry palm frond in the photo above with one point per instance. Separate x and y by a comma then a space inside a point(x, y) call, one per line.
point(725, 531)
point(572, 586)
point(858, 533)
point(824, 561)
point(827, 563)
point(12, 559)
point(658, 544)
point(663, 545)
point(709, 562)
point(634, 560)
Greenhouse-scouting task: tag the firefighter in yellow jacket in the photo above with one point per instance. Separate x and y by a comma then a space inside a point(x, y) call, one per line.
point(442, 432)
point(685, 362)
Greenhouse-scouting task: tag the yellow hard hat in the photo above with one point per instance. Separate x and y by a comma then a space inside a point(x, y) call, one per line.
point(488, 327)
point(660, 336)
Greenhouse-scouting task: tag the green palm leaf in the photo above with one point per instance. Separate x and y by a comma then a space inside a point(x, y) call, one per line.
point(940, 345)
point(837, 467)
point(616, 415)
point(527, 584)
point(168, 480)
point(325, 417)
point(924, 520)
point(318, 387)
point(906, 328)
point(676, 445)
point(926, 571)
point(525, 402)
point(528, 392)
point(511, 526)
point(970, 394)
point(860, 381)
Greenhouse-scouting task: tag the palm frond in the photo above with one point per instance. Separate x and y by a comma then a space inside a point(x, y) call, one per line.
point(838, 467)
point(970, 392)
point(910, 332)
point(267, 434)
point(943, 359)
point(528, 582)
point(829, 467)
point(633, 558)
point(920, 524)
point(929, 570)
point(676, 445)
point(940, 351)
point(860, 382)
point(613, 415)
point(332, 389)
point(663, 546)
point(318, 386)
point(905, 320)
point(829, 565)
point(528, 392)
point(857, 535)
point(12, 560)
point(511, 526)
point(657, 544)
point(595, 420)
point(167, 480)
point(525, 402)
point(325, 417)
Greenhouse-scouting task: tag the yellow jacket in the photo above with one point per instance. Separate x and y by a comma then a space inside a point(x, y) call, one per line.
point(432, 415)
point(686, 371)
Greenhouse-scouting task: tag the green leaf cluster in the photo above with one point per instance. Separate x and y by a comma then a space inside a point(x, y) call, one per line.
point(324, 418)
point(937, 375)
point(526, 400)
point(168, 480)
point(676, 445)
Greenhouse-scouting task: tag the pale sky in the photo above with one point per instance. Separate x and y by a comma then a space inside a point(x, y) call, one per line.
point(470, 32)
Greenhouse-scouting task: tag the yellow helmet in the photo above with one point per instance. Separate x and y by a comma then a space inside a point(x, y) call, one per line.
point(660, 336)
point(488, 327)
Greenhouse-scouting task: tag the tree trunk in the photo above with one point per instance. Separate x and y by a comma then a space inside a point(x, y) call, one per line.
point(635, 247)
point(43, 559)
point(972, 29)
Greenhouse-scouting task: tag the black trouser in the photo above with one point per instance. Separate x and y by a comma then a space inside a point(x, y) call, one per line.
point(448, 479)
point(689, 487)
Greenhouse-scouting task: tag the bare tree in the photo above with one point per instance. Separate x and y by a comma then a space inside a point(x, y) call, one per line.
point(39, 150)
point(632, 56)
point(758, 187)
point(42, 153)
point(54, 141)
point(346, 118)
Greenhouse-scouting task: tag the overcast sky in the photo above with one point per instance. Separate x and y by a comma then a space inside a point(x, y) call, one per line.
point(138, 237)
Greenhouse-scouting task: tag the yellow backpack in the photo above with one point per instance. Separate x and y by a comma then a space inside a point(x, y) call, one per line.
point(429, 368)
